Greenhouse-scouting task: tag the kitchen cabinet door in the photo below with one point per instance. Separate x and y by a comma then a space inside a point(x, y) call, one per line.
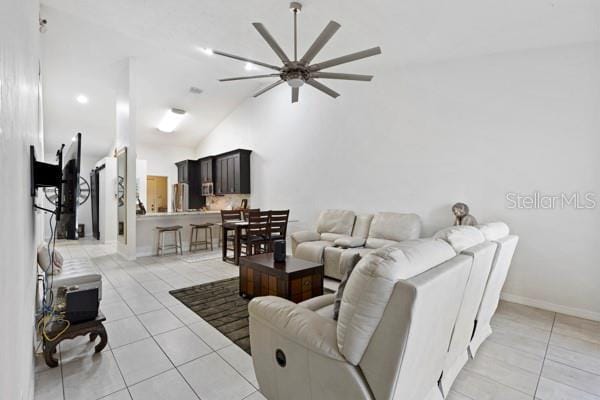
point(231, 174)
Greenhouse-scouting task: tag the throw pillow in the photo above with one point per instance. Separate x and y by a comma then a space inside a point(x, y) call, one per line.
point(340, 291)
point(43, 259)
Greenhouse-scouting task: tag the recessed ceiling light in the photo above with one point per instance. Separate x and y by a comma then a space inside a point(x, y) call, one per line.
point(249, 67)
point(82, 99)
point(171, 119)
point(207, 51)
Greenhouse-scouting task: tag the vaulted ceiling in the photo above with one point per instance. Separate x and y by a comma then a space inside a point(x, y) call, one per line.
point(85, 40)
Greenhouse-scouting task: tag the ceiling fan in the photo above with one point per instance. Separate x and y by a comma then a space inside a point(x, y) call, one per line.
point(298, 72)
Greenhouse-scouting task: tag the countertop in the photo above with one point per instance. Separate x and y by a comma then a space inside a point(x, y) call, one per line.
point(176, 214)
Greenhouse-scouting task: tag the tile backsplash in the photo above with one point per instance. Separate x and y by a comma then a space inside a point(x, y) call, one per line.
point(226, 202)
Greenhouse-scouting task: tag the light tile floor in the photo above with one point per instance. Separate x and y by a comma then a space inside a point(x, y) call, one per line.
point(159, 349)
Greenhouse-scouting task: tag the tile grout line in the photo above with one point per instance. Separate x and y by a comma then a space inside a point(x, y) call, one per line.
point(233, 366)
point(573, 367)
point(574, 387)
point(485, 377)
point(110, 348)
point(158, 345)
point(544, 361)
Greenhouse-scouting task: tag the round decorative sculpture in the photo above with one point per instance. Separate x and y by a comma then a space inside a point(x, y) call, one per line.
point(462, 216)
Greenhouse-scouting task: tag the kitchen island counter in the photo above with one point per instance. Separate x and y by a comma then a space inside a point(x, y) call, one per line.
point(171, 214)
point(147, 235)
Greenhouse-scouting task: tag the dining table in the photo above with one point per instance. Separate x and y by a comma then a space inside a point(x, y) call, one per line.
point(237, 226)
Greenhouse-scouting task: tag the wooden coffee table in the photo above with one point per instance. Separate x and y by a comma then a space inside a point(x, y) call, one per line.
point(295, 279)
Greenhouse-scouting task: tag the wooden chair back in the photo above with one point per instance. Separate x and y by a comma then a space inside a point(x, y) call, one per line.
point(231, 215)
point(279, 221)
point(258, 224)
point(246, 212)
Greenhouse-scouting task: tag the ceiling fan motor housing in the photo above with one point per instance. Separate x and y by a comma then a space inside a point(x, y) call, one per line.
point(295, 74)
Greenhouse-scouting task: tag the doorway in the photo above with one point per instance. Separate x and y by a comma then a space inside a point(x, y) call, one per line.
point(156, 193)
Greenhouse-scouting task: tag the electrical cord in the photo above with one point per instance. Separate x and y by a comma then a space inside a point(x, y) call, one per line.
point(49, 312)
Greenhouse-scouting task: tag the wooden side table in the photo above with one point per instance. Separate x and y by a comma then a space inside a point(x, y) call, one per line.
point(295, 279)
point(94, 328)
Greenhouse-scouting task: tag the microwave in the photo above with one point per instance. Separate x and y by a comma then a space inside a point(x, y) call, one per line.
point(207, 189)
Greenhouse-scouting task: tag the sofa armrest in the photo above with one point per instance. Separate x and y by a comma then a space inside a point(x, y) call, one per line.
point(348, 242)
point(303, 236)
point(318, 302)
point(298, 324)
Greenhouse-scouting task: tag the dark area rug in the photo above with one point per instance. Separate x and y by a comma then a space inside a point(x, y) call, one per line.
point(220, 304)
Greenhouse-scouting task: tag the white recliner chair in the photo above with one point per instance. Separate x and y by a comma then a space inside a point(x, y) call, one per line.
point(498, 233)
point(471, 242)
point(390, 342)
point(331, 225)
point(368, 233)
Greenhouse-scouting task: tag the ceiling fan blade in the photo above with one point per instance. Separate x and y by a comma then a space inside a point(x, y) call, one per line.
point(262, 64)
point(239, 78)
point(346, 59)
point(320, 42)
point(322, 88)
point(336, 75)
point(295, 94)
point(271, 86)
point(271, 41)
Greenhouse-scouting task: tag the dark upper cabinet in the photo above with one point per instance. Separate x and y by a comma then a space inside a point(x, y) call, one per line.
point(232, 172)
point(188, 171)
point(206, 169)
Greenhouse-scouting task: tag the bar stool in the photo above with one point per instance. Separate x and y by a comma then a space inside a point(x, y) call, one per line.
point(194, 242)
point(160, 245)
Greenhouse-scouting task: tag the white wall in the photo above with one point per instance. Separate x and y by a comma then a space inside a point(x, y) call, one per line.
point(420, 138)
point(161, 162)
point(21, 229)
point(108, 202)
point(125, 136)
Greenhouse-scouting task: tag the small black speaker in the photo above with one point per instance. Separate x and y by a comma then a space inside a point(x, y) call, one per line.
point(279, 250)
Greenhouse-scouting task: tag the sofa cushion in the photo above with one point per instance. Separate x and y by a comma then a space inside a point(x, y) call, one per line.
point(460, 237)
point(349, 242)
point(336, 221)
point(332, 237)
point(362, 224)
point(312, 251)
point(371, 284)
point(494, 230)
point(43, 260)
point(393, 226)
point(376, 243)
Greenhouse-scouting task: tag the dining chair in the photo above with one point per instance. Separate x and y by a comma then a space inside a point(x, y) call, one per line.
point(255, 239)
point(278, 226)
point(226, 216)
point(246, 212)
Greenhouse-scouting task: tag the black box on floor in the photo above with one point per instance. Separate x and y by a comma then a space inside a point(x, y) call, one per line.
point(82, 305)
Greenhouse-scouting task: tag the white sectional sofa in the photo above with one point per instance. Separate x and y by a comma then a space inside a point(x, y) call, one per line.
point(340, 234)
point(410, 316)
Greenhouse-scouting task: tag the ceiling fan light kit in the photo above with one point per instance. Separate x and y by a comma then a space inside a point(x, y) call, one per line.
point(298, 72)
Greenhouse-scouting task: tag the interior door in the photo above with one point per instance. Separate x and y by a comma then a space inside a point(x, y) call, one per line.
point(156, 193)
point(161, 193)
point(151, 194)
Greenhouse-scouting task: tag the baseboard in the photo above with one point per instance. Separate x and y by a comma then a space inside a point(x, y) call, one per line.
point(544, 305)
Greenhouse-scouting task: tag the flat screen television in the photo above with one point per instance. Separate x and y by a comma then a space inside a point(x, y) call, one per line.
point(67, 223)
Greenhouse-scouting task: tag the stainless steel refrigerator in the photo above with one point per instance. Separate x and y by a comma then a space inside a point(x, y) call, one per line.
point(181, 195)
